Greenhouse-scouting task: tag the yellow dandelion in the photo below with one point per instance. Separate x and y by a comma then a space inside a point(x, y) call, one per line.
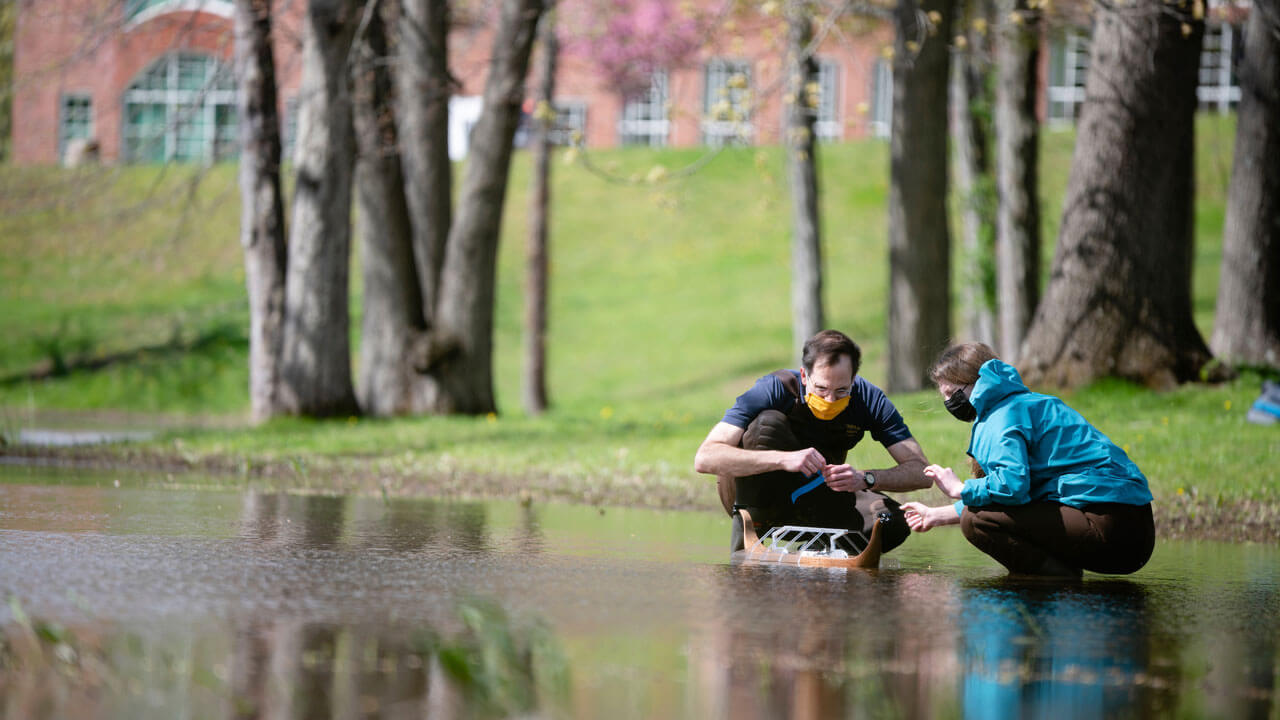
point(606, 412)
point(1226, 405)
point(491, 417)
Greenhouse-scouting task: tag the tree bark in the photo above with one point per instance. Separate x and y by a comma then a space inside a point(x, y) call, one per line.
point(971, 106)
point(1246, 328)
point(261, 202)
point(465, 316)
point(919, 238)
point(1119, 295)
point(423, 87)
point(316, 372)
point(535, 297)
point(392, 317)
point(1017, 167)
point(806, 236)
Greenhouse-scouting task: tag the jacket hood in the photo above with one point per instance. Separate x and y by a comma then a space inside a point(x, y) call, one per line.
point(996, 381)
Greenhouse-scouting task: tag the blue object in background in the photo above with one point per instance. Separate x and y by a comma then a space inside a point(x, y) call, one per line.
point(1266, 409)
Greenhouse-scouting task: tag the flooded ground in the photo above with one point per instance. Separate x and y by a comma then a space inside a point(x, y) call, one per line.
point(145, 600)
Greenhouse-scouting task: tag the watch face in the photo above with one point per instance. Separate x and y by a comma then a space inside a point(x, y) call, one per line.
point(871, 479)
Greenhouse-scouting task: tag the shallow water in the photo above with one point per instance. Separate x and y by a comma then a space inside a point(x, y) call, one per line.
point(149, 600)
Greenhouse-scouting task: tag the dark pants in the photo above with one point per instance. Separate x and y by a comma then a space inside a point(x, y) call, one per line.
point(1103, 538)
point(771, 430)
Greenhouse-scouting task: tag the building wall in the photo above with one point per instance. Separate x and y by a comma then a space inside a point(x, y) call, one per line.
point(87, 47)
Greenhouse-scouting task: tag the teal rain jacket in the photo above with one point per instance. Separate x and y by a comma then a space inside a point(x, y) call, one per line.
point(1035, 448)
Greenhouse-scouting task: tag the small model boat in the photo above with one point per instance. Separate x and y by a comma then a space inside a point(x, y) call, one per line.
point(811, 546)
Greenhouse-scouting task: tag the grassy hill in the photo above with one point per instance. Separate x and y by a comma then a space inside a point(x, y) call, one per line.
point(667, 300)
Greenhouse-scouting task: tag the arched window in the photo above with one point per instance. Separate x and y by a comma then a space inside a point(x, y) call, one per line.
point(182, 108)
point(133, 9)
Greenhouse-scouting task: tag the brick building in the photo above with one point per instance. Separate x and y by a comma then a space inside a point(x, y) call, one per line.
point(152, 81)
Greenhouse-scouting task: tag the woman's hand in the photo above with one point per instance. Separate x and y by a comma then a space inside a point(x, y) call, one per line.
point(946, 480)
point(922, 518)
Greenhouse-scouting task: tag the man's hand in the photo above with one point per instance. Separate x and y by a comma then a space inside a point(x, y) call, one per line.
point(946, 480)
point(843, 478)
point(922, 518)
point(807, 462)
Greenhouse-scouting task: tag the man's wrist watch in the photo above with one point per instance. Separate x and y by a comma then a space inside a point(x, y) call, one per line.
point(869, 479)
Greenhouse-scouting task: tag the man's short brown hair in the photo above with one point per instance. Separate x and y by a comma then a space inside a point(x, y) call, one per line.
point(826, 347)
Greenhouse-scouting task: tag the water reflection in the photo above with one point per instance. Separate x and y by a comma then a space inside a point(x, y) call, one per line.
point(1036, 649)
point(139, 603)
point(836, 643)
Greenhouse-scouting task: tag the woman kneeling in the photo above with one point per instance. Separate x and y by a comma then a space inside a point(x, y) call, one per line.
point(1053, 495)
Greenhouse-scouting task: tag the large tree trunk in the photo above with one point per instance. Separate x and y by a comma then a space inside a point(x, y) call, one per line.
point(316, 373)
point(535, 293)
point(392, 320)
point(423, 87)
point(261, 202)
point(464, 322)
point(970, 105)
point(1119, 296)
point(1017, 167)
point(919, 237)
point(806, 235)
point(1246, 328)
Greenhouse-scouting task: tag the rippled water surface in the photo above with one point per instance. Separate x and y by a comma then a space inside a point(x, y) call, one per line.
point(145, 600)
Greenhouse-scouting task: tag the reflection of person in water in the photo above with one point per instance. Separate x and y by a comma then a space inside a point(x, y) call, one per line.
point(1050, 652)
point(1051, 494)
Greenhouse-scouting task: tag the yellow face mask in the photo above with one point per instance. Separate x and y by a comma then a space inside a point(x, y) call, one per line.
point(824, 409)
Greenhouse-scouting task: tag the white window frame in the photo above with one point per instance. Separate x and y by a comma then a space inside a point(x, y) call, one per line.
point(1064, 100)
point(826, 125)
point(881, 111)
point(183, 107)
point(137, 12)
point(571, 119)
point(1216, 84)
point(716, 74)
point(64, 119)
point(645, 118)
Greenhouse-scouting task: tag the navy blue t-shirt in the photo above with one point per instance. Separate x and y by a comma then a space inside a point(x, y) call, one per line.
point(869, 409)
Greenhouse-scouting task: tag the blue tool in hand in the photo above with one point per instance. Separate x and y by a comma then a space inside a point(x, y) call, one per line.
point(813, 484)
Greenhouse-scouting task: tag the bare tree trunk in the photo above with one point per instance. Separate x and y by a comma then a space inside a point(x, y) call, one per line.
point(1246, 327)
point(535, 293)
point(970, 132)
point(261, 202)
point(392, 319)
point(919, 238)
point(465, 315)
point(806, 235)
point(423, 87)
point(1119, 296)
point(316, 372)
point(1017, 167)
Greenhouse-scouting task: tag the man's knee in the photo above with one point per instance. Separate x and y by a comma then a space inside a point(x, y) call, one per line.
point(770, 430)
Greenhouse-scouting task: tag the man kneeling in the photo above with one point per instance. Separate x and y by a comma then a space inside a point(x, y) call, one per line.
point(793, 427)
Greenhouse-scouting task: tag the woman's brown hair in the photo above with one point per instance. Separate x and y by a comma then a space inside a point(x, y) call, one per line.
point(959, 364)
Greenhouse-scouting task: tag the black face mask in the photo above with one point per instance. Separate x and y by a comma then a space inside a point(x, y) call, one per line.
point(959, 406)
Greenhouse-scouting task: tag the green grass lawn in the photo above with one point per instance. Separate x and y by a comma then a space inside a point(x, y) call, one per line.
point(667, 300)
